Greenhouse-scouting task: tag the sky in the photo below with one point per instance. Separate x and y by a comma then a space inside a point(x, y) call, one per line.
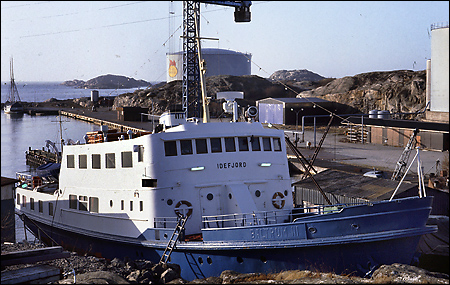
point(66, 40)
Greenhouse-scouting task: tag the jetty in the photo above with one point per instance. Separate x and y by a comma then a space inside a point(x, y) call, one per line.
point(108, 118)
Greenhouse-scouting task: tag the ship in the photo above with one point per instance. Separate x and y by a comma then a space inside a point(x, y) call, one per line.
point(13, 104)
point(209, 197)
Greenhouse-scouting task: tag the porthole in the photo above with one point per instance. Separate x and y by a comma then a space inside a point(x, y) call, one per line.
point(209, 196)
point(169, 202)
point(285, 192)
point(200, 260)
point(257, 193)
point(209, 260)
point(165, 235)
point(312, 230)
point(230, 196)
point(240, 260)
point(111, 203)
point(263, 259)
point(355, 226)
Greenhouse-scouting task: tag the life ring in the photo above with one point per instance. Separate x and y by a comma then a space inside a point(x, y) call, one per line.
point(178, 209)
point(278, 202)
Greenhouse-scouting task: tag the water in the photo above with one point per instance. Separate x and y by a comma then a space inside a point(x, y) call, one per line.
point(19, 132)
point(41, 91)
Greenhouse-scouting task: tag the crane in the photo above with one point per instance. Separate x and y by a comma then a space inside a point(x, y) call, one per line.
point(191, 87)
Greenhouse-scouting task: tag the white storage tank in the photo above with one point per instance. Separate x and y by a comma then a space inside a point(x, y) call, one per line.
point(384, 115)
point(218, 62)
point(373, 114)
point(439, 68)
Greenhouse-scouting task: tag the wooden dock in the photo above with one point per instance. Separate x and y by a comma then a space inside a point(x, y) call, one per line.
point(39, 274)
point(100, 122)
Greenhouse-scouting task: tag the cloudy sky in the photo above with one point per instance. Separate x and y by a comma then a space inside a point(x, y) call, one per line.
point(59, 40)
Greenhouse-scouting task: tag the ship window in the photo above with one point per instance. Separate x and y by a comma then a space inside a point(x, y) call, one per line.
point(41, 206)
point(82, 203)
point(141, 153)
point(276, 144)
point(82, 160)
point(110, 160)
point(73, 202)
point(230, 146)
point(149, 182)
point(266, 144)
point(32, 204)
point(186, 146)
point(200, 144)
point(24, 201)
point(243, 143)
point(93, 204)
point(170, 148)
point(70, 161)
point(122, 205)
point(127, 159)
point(18, 199)
point(96, 161)
point(141, 206)
point(216, 145)
point(255, 143)
point(131, 205)
point(50, 209)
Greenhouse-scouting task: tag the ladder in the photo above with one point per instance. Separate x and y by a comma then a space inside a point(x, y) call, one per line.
point(173, 239)
point(403, 160)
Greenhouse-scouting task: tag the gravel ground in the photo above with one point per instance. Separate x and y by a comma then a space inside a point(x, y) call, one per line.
point(94, 270)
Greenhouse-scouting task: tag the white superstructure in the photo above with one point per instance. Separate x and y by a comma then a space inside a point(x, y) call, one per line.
point(127, 187)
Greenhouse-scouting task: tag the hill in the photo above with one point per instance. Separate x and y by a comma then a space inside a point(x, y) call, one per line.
point(108, 81)
point(396, 91)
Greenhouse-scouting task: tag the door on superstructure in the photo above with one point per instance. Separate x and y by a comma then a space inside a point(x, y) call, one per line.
point(210, 201)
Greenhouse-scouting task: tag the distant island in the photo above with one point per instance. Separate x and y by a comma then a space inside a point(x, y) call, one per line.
point(108, 81)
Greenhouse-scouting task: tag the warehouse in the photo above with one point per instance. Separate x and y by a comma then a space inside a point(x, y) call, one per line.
point(289, 111)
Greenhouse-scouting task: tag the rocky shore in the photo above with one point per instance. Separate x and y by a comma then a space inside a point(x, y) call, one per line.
point(91, 270)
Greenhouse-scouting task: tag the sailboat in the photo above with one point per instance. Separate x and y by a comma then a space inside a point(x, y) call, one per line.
point(13, 104)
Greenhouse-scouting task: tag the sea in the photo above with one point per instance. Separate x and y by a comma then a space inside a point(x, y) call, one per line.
point(21, 132)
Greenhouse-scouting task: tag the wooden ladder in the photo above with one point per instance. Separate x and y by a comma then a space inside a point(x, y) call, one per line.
point(173, 239)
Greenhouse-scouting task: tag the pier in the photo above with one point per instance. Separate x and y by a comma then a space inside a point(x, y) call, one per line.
point(108, 118)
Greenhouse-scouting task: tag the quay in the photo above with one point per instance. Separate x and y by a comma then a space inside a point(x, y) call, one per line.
point(108, 118)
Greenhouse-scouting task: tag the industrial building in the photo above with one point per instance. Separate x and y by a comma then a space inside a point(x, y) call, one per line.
point(289, 111)
point(218, 62)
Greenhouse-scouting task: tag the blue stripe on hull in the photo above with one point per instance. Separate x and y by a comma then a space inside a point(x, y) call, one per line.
point(357, 258)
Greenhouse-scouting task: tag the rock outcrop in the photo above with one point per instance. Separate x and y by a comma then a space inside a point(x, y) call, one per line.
point(108, 81)
point(295, 75)
point(400, 91)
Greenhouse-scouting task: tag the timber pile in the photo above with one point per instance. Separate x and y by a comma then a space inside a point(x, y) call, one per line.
point(32, 274)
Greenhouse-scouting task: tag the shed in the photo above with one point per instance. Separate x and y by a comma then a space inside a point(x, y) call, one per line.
point(289, 111)
point(432, 135)
point(8, 219)
point(131, 113)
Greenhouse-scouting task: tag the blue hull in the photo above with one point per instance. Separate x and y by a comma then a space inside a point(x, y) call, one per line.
point(356, 253)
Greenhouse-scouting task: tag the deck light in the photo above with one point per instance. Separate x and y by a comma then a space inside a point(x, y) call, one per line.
point(197, 168)
point(265, 164)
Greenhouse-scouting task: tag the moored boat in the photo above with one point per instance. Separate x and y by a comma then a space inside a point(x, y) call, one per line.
point(124, 195)
point(13, 104)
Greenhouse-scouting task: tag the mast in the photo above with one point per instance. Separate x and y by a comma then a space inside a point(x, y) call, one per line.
point(13, 92)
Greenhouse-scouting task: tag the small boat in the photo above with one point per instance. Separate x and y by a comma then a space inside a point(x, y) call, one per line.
point(13, 104)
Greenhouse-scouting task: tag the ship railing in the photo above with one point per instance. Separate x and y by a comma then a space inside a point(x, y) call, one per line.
point(165, 222)
point(270, 217)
